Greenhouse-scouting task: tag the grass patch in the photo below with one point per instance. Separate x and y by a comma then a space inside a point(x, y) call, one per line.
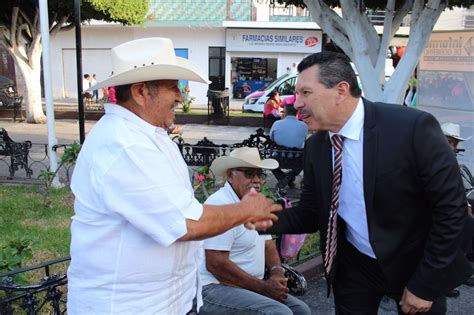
point(22, 210)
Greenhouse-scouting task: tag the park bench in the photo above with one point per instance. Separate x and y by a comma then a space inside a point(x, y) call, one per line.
point(17, 151)
point(11, 100)
point(206, 151)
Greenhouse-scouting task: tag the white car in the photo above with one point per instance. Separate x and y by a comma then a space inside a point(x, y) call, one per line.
point(255, 102)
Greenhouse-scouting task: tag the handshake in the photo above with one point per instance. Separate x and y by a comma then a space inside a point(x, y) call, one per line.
point(260, 210)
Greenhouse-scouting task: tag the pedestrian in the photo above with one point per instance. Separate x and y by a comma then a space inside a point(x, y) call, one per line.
point(272, 105)
point(86, 84)
point(95, 92)
point(291, 133)
point(136, 231)
point(383, 188)
point(235, 261)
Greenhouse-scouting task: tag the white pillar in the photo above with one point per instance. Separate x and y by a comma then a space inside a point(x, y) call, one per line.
point(44, 24)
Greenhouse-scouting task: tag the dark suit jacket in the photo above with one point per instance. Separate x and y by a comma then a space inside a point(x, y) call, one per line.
point(414, 198)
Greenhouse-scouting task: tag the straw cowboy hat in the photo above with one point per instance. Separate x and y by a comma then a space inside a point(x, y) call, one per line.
point(453, 131)
point(241, 157)
point(148, 59)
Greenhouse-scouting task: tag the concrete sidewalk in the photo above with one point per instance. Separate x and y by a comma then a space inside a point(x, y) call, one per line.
point(234, 104)
point(67, 131)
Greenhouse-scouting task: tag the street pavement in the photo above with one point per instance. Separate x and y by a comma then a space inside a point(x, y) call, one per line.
point(316, 298)
point(67, 131)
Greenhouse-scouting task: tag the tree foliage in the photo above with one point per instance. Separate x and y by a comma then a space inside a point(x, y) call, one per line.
point(123, 11)
point(21, 36)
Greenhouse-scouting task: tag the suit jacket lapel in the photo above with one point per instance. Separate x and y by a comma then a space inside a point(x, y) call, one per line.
point(326, 176)
point(370, 155)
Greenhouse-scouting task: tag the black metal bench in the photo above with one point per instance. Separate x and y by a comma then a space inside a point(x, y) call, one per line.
point(206, 151)
point(17, 151)
point(10, 99)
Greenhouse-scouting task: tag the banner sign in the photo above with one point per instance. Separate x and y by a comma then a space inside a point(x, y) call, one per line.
point(265, 40)
point(449, 51)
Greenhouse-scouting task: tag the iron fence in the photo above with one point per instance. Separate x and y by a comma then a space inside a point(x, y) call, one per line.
point(21, 293)
point(37, 160)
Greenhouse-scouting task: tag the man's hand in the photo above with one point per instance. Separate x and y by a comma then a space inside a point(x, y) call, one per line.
point(412, 304)
point(275, 288)
point(260, 209)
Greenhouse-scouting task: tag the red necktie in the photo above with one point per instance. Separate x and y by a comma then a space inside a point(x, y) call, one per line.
point(331, 236)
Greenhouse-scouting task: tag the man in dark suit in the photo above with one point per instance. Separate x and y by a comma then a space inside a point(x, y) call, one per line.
point(383, 188)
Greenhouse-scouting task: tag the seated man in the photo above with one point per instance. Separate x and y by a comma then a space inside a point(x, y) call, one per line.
point(235, 261)
point(453, 135)
point(289, 132)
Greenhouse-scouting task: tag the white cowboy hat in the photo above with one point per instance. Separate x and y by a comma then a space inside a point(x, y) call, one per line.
point(241, 157)
point(148, 59)
point(453, 131)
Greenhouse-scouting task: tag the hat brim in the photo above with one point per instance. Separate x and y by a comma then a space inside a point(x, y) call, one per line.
point(458, 138)
point(182, 70)
point(220, 165)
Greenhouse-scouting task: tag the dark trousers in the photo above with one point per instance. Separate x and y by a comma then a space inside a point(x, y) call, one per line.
point(359, 285)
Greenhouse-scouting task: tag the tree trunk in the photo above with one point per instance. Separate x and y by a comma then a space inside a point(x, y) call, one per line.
point(31, 73)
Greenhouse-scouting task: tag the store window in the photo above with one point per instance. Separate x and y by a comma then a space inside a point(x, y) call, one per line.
point(251, 74)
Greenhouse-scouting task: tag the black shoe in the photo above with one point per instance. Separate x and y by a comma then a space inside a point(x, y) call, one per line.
point(470, 282)
point(454, 293)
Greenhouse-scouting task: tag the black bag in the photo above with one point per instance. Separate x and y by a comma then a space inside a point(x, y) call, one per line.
point(296, 281)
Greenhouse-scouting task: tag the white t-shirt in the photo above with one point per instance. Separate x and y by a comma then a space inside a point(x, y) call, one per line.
point(246, 247)
point(133, 195)
point(85, 84)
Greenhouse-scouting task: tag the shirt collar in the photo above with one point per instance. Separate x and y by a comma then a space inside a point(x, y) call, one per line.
point(114, 109)
point(290, 117)
point(231, 192)
point(352, 129)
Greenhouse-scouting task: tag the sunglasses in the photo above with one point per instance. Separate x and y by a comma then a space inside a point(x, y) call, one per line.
point(250, 173)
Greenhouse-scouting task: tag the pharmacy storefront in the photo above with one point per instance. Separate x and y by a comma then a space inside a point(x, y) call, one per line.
point(256, 57)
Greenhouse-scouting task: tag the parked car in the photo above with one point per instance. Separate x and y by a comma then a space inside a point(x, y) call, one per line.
point(255, 101)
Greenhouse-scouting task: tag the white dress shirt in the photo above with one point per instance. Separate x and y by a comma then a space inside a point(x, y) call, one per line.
point(351, 195)
point(133, 195)
point(246, 247)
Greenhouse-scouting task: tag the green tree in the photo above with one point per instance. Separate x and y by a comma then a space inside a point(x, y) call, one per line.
point(21, 36)
point(352, 31)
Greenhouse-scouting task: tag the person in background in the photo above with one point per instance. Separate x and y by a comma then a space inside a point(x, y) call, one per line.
point(112, 98)
point(289, 132)
point(86, 84)
point(105, 94)
point(272, 106)
point(136, 229)
point(388, 201)
point(235, 261)
point(95, 92)
point(453, 135)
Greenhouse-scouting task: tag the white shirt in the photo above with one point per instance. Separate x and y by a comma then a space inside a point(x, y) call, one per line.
point(133, 195)
point(246, 247)
point(351, 195)
point(85, 84)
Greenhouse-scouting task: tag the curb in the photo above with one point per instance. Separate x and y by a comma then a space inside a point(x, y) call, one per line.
point(312, 268)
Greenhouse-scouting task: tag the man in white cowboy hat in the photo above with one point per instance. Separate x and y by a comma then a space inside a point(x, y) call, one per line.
point(235, 261)
point(453, 134)
point(136, 222)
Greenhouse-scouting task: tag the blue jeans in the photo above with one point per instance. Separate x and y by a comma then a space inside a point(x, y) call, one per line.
point(222, 299)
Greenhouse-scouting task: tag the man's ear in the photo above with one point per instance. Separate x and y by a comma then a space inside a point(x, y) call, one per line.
point(230, 175)
point(138, 92)
point(343, 90)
